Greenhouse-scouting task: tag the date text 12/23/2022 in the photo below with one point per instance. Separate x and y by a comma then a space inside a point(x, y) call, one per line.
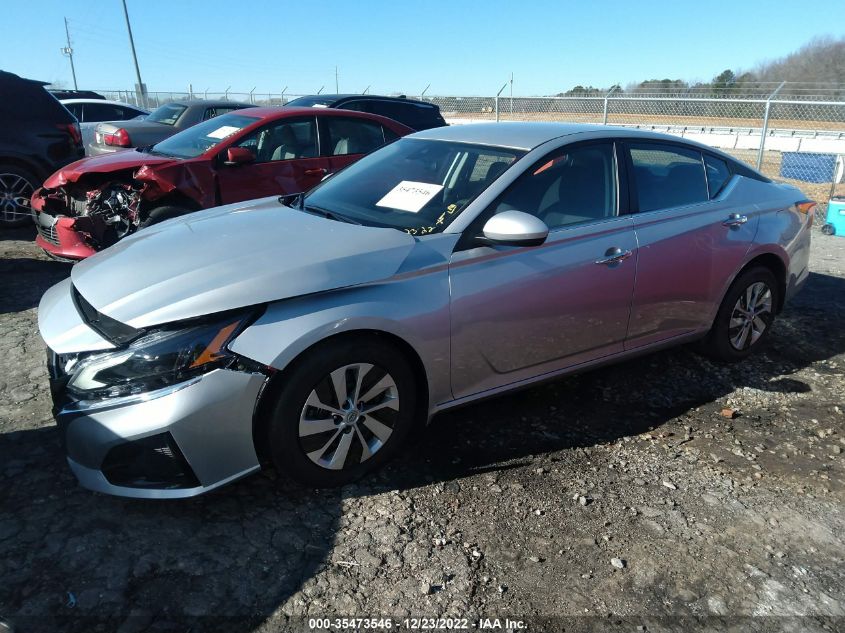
point(415, 624)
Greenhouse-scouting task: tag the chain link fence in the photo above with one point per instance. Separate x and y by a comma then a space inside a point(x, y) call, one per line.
point(798, 139)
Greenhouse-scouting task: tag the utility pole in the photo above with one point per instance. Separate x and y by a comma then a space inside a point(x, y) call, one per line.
point(142, 89)
point(336, 89)
point(511, 93)
point(69, 52)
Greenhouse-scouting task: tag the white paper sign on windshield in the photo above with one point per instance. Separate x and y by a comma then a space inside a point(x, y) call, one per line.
point(223, 132)
point(409, 196)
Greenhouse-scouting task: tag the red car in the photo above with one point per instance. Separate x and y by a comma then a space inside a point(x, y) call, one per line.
point(92, 203)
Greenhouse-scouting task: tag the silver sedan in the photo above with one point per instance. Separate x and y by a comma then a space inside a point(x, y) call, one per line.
point(314, 332)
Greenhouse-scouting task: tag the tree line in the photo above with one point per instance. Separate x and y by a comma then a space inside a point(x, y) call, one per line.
point(817, 68)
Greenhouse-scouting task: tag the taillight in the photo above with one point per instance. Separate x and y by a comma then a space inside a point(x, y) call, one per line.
point(73, 131)
point(807, 207)
point(120, 138)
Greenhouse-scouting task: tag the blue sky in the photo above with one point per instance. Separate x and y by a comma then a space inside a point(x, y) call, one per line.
point(458, 46)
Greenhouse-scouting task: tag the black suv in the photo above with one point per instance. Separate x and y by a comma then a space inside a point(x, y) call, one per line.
point(37, 136)
point(417, 115)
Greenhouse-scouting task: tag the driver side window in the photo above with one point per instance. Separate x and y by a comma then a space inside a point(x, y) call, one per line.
point(283, 140)
point(569, 186)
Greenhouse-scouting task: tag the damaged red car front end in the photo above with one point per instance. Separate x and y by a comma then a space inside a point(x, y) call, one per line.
point(93, 203)
point(74, 228)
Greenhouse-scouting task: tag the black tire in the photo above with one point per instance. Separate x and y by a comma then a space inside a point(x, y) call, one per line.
point(162, 213)
point(725, 335)
point(290, 451)
point(16, 184)
point(828, 229)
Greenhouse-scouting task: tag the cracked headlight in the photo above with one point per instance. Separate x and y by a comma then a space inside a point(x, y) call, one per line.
point(157, 359)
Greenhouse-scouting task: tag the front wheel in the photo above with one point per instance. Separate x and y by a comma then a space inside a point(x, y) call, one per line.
point(160, 214)
point(745, 317)
point(346, 409)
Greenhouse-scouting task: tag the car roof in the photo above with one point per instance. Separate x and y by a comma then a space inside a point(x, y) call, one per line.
point(7, 77)
point(210, 103)
point(279, 112)
point(516, 135)
point(526, 135)
point(338, 98)
point(100, 101)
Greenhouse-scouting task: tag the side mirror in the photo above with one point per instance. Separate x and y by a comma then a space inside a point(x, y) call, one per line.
point(515, 228)
point(238, 156)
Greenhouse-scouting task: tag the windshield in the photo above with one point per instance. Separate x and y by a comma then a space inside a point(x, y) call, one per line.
point(167, 114)
point(415, 185)
point(203, 136)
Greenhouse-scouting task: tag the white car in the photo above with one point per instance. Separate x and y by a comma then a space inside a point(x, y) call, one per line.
point(89, 112)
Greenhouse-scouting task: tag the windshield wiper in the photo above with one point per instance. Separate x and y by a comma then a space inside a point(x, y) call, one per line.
point(331, 215)
point(297, 201)
point(149, 150)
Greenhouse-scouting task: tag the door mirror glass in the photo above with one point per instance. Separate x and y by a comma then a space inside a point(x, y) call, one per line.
point(239, 156)
point(515, 228)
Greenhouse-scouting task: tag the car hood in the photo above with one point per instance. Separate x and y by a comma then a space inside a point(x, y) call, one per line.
point(233, 256)
point(104, 163)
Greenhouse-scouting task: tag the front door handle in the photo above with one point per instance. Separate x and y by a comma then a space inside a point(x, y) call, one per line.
point(316, 171)
point(614, 255)
point(735, 219)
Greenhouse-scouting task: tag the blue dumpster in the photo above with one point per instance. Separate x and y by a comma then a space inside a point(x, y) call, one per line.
point(808, 167)
point(835, 219)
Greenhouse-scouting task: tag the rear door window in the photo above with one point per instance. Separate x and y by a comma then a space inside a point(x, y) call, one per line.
point(667, 176)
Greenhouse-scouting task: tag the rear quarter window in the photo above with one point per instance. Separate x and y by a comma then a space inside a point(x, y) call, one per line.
point(718, 174)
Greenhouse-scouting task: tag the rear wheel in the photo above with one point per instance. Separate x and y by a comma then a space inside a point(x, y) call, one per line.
point(828, 229)
point(162, 213)
point(16, 188)
point(745, 317)
point(346, 409)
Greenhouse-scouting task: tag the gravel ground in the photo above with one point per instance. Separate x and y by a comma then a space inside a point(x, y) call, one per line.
point(666, 493)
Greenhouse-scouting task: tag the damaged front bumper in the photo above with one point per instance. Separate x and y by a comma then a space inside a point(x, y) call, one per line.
point(179, 440)
point(68, 230)
point(58, 237)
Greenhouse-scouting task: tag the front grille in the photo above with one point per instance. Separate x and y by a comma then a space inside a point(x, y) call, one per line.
point(48, 233)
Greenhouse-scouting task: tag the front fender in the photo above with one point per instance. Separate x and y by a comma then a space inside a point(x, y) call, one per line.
point(414, 310)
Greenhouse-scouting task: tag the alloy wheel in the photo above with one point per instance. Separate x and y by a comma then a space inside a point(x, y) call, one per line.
point(751, 316)
point(349, 416)
point(15, 193)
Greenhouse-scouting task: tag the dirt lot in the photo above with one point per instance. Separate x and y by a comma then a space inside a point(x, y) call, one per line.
point(618, 500)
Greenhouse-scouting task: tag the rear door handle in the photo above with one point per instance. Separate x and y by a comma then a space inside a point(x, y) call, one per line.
point(316, 171)
point(735, 219)
point(614, 255)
